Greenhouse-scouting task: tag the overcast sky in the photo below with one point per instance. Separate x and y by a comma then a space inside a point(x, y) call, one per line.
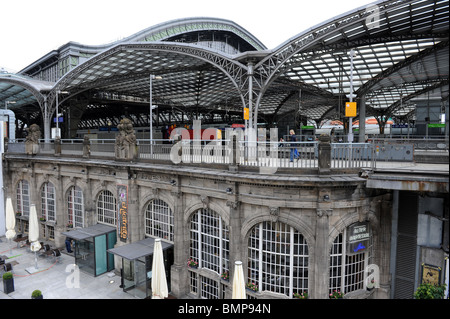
point(30, 29)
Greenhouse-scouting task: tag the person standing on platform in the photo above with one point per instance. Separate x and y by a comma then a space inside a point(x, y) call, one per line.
point(294, 152)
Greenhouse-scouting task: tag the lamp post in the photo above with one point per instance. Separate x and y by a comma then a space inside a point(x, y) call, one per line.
point(350, 119)
point(8, 102)
point(152, 77)
point(57, 111)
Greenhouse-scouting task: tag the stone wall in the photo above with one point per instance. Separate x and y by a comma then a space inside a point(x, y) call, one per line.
point(318, 206)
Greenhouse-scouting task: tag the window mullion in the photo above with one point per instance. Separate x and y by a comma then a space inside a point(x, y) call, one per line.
point(199, 234)
point(221, 235)
point(344, 259)
point(260, 257)
point(291, 263)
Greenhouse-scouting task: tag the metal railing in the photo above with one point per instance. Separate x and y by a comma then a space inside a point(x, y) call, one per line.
point(435, 144)
point(352, 155)
point(301, 155)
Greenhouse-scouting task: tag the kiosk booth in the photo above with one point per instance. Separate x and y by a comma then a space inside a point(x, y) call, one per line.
point(91, 248)
point(137, 261)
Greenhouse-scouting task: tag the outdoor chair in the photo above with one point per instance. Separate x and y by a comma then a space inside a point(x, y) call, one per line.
point(7, 267)
point(56, 255)
point(45, 250)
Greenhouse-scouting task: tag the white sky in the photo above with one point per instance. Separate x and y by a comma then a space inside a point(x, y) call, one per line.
point(29, 29)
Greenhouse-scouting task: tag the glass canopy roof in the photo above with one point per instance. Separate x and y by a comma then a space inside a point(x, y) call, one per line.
point(401, 52)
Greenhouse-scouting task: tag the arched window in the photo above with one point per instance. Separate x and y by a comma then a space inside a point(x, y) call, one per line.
point(278, 259)
point(75, 207)
point(23, 198)
point(48, 201)
point(107, 208)
point(159, 220)
point(348, 261)
point(210, 248)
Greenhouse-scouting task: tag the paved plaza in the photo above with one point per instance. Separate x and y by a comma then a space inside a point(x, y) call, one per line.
point(55, 278)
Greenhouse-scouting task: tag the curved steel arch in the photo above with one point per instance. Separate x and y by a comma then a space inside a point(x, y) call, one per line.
point(269, 65)
point(432, 86)
point(429, 52)
point(268, 69)
point(172, 28)
point(234, 70)
point(24, 83)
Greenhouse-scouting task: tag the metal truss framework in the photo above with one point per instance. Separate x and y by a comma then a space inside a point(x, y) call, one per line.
point(306, 75)
point(126, 68)
point(385, 34)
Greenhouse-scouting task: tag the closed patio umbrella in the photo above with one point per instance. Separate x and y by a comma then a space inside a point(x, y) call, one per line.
point(33, 234)
point(238, 282)
point(10, 219)
point(159, 281)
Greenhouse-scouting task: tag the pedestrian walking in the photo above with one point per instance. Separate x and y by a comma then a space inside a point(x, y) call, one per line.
point(294, 152)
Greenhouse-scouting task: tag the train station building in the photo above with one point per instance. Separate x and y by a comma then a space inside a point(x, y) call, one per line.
point(174, 133)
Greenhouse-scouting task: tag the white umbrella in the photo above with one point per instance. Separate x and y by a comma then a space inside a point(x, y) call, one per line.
point(238, 282)
point(10, 219)
point(33, 233)
point(159, 281)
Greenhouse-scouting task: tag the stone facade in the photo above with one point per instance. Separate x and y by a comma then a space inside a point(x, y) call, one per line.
point(318, 206)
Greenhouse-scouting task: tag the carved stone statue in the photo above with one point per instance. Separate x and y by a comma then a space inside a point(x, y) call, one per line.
point(32, 139)
point(86, 146)
point(125, 146)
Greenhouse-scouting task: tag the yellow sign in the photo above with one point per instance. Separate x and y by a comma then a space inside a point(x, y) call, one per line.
point(350, 109)
point(246, 113)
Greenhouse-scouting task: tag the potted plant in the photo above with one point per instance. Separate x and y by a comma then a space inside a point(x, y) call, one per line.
point(69, 225)
point(370, 285)
point(430, 291)
point(251, 286)
point(192, 263)
point(302, 295)
point(336, 294)
point(8, 282)
point(42, 219)
point(37, 294)
point(225, 276)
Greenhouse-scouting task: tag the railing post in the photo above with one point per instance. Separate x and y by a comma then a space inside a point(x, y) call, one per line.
point(324, 154)
point(57, 146)
point(233, 167)
point(86, 147)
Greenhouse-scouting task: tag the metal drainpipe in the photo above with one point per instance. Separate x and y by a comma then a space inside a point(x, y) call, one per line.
point(11, 123)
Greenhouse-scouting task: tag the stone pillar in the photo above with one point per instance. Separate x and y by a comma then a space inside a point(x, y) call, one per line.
point(61, 213)
point(236, 244)
point(362, 120)
point(383, 246)
point(134, 222)
point(86, 147)
point(321, 249)
point(234, 149)
point(57, 146)
point(179, 271)
point(324, 154)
